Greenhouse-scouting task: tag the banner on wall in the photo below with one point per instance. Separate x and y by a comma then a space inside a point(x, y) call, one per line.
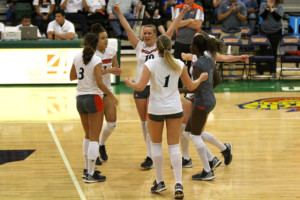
point(38, 66)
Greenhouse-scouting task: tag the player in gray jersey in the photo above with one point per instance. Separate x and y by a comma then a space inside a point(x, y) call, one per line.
point(204, 100)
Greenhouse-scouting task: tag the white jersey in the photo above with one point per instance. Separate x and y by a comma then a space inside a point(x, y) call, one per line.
point(144, 53)
point(85, 74)
point(107, 58)
point(164, 95)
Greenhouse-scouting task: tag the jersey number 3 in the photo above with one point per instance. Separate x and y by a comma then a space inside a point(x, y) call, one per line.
point(81, 73)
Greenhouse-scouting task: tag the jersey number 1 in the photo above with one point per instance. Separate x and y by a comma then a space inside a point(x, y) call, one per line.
point(167, 81)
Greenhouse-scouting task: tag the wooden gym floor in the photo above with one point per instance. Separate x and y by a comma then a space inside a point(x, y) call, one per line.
point(266, 148)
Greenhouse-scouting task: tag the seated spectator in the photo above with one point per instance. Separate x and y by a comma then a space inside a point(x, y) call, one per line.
point(232, 13)
point(60, 28)
point(152, 15)
point(1, 29)
point(74, 13)
point(126, 9)
point(216, 4)
point(168, 6)
point(26, 21)
point(96, 10)
point(272, 12)
point(44, 10)
point(252, 10)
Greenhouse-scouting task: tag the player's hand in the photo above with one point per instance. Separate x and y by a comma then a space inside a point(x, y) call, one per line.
point(117, 8)
point(116, 71)
point(203, 76)
point(128, 82)
point(244, 58)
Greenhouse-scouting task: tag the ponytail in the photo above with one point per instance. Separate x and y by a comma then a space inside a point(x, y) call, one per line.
point(164, 47)
point(89, 46)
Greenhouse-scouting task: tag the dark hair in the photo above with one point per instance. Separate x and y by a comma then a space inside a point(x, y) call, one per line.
point(97, 29)
point(62, 12)
point(203, 42)
point(89, 45)
point(26, 16)
point(164, 46)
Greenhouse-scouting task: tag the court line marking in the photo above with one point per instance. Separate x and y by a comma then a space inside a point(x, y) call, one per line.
point(134, 121)
point(68, 166)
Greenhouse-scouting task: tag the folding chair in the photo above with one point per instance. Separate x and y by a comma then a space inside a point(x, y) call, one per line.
point(231, 41)
point(262, 55)
point(289, 56)
point(216, 31)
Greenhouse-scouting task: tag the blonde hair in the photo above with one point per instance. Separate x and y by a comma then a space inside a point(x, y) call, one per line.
point(164, 46)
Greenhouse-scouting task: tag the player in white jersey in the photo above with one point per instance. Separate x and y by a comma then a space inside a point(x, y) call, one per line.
point(110, 65)
point(87, 69)
point(165, 105)
point(145, 50)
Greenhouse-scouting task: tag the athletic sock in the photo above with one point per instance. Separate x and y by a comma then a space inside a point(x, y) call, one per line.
point(93, 153)
point(208, 137)
point(85, 148)
point(176, 161)
point(107, 131)
point(200, 146)
point(157, 158)
point(184, 143)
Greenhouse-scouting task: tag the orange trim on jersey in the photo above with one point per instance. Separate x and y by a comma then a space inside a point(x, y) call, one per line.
point(98, 103)
point(194, 6)
point(200, 107)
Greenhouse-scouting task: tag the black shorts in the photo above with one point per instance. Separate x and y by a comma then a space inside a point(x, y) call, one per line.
point(142, 94)
point(196, 121)
point(161, 118)
point(91, 103)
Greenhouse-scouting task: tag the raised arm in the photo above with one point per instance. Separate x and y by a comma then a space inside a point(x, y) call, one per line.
point(189, 84)
point(140, 86)
point(230, 58)
point(176, 21)
point(130, 33)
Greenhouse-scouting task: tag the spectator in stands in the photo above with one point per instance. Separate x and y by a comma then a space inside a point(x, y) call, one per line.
point(189, 25)
point(152, 15)
point(1, 29)
point(272, 12)
point(26, 21)
point(168, 6)
point(216, 4)
point(252, 10)
point(96, 10)
point(60, 28)
point(44, 10)
point(74, 13)
point(126, 9)
point(232, 13)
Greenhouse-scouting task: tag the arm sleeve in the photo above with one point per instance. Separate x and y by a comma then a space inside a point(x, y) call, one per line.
point(149, 65)
point(276, 16)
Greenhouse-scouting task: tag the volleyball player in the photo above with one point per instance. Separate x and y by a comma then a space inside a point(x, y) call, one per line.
point(145, 50)
point(165, 105)
point(87, 69)
point(110, 65)
point(187, 106)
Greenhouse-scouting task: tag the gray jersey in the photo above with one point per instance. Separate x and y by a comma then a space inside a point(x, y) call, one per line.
point(205, 99)
point(232, 24)
point(269, 24)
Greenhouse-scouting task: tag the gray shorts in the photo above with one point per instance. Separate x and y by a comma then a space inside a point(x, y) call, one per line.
point(161, 118)
point(142, 94)
point(91, 103)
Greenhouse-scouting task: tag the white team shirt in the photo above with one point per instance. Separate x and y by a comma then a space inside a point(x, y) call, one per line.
point(107, 58)
point(95, 4)
point(144, 53)
point(85, 74)
point(1, 27)
point(72, 6)
point(68, 27)
point(45, 6)
point(37, 30)
point(164, 95)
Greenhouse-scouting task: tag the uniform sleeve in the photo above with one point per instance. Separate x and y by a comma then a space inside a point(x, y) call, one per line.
point(96, 61)
point(35, 2)
point(138, 47)
point(199, 15)
point(176, 12)
point(149, 65)
point(50, 27)
point(243, 9)
point(71, 28)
